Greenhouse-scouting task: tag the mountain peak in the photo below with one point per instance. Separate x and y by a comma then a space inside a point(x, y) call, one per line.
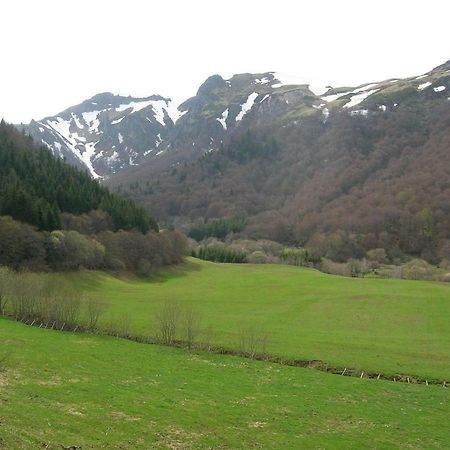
point(108, 133)
point(210, 84)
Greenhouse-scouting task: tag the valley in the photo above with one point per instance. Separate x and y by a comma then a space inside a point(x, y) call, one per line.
point(90, 391)
point(224, 226)
point(374, 325)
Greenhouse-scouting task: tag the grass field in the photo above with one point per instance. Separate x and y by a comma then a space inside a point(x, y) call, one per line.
point(379, 325)
point(63, 389)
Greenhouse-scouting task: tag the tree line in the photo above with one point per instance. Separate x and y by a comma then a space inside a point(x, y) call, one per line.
point(219, 228)
point(339, 189)
point(22, 246)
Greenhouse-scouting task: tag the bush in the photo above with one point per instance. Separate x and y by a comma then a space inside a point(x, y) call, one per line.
point(257, 257)
point(220, 254)
point(299, 257)
point(252, 342)
point(5, 287)
point(167, 322)
point(21, 245)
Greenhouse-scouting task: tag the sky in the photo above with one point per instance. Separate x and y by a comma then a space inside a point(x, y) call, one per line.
point(56, 54)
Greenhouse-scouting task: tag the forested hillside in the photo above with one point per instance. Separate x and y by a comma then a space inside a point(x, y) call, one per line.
point(36, 187)
point(341, 185)
point(55, 217)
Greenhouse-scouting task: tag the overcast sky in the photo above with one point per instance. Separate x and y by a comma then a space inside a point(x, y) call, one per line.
point(57, 53)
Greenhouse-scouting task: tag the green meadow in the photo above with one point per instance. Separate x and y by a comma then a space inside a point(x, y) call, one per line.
point(59, 390)
point(379, 325)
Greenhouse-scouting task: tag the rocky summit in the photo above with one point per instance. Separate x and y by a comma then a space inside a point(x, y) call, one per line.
point(109, 133)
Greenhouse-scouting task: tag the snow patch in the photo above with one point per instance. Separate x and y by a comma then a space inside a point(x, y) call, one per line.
point(91, 118)
point(77, 121)
point(115, 122)
point(357, 99)
point(423, 86)
point(439, 89)
point(160, 107)
point(333, 97)
point(113, 158)
point(72, 140)
point(359, 112)
point(266, 96)
point(120, 137)
point(366, 87)
point(247, 106)
point(263, 80)
point(223, 119)
point(135, 106)
point(173, 111)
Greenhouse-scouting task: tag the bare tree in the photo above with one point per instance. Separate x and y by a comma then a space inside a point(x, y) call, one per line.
point(5, 283)
point(191, 325)
point(26, 291)
point(252, 342)
point(167, 319)
point(70, 310)
point(59, 305)
point(95, 310)
point(208, 337)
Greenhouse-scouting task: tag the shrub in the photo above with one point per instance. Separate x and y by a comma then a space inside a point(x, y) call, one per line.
point(220, 254)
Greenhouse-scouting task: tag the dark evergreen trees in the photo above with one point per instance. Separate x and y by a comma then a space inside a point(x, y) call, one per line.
point(36, 187)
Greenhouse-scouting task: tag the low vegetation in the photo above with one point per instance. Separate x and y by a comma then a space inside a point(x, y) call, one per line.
point(374, 325)
point(24, 247)
point(219, 253)
point(85, 391)
point(340, 188)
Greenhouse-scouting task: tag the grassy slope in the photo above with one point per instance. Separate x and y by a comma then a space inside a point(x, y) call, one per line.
point(100, 392)
point(391, 326)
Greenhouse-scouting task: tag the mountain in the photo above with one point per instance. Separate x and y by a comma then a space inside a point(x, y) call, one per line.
point(107, 132)
point(343, 172)
point(341, 169)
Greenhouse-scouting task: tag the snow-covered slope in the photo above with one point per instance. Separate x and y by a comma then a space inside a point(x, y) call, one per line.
point(108, 133)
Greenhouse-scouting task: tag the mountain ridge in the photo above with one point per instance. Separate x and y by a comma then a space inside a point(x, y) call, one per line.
point(109, 133)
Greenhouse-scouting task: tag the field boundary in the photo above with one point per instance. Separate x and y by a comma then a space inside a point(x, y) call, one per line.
point(314, 364)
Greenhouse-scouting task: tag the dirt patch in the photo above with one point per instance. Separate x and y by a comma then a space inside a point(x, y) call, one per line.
point(51, 382)
point(178, 439)
point(338, 425)
point(3, 380)
point(245, 401)
point(257, 424)
point(74, 412)
point(85, 342)
point(121, 415)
